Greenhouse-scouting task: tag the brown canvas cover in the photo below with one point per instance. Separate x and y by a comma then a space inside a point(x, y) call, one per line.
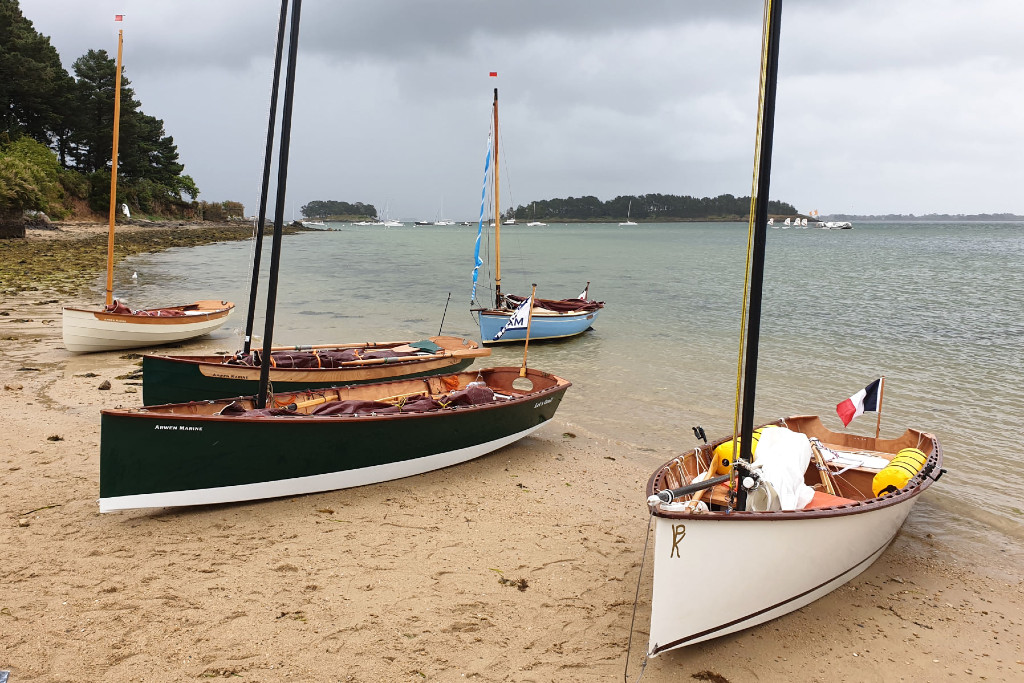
point(557, 305)
point(475, 393)
point(316, 358)
point(121, 308)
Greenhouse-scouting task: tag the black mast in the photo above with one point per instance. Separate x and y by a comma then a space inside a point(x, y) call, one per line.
point(267, 160)
point(282, 181)
point(770, 66)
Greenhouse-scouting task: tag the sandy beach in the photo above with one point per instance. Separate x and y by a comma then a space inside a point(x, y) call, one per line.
point(523, 565)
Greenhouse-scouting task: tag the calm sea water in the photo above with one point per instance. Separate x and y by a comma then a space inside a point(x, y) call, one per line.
point(933, 307)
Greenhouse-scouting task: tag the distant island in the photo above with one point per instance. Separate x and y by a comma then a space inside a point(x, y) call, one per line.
point(648, 208)
point(929, 217)
point(645, 208)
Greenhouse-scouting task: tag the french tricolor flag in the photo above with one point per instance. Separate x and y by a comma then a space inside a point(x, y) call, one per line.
point(863, 401)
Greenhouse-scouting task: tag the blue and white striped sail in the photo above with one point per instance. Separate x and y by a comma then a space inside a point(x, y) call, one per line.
point(480, 225)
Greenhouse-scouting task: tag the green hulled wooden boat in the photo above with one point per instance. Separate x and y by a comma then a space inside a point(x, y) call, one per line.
point(226, 450)
point(176, 379)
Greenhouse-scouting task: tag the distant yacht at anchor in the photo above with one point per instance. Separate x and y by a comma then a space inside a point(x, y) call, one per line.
point(629, 209)
point(828, 225)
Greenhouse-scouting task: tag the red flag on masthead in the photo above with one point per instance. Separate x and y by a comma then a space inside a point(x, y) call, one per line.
point(118, 17)
point(494, 74)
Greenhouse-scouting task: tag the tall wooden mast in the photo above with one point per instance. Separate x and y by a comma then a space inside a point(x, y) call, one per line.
point(113, 173)
point(497, 213)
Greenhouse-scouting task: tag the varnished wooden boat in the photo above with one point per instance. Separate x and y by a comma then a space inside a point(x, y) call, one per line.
point(223, 451)
point(176, 379)
point(796, 556)
point(88, 330)
point(115, 326)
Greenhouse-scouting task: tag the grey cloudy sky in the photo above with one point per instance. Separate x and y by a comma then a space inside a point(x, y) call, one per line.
point(884, 106)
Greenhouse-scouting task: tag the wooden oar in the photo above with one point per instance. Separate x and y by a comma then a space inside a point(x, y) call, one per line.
point(382, 361)
point(324, 399)
point(699, 494)
point(356, 345)
point(823, 470)
point(305, 404)
point(373, 361)
point(396, 397)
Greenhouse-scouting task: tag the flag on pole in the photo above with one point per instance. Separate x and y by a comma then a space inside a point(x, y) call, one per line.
point(583, 296)
point(494, 74)
point(118, 17)
point(863, 401)
point(519, 319)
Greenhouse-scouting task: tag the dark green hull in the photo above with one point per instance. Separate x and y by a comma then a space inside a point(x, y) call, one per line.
point(150, 458)
point(166, 381)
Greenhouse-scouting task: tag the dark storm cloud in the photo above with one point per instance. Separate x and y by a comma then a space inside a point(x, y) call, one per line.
point(902, 107)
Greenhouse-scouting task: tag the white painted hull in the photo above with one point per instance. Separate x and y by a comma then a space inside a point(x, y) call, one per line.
point(779, 566)
point(86, 331)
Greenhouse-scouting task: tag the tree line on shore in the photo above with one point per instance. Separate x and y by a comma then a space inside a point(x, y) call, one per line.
point(56, 136)
point(644, 207)
point(330, 208)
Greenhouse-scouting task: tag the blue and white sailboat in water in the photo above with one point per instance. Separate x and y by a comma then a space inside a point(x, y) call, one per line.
point(551, 318)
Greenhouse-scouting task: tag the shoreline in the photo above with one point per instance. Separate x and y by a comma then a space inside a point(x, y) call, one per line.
point(68, 257)
point(403, 580)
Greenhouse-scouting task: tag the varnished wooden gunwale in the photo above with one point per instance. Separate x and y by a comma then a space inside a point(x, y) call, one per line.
point(685, 467)
point(208, 309)
point(175, 379)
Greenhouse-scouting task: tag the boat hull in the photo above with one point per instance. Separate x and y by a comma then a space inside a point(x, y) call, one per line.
point(181, 455)
point(544, 325)
point(177, 379)
point(796, 562)
point(798, 555)
point(88, 331)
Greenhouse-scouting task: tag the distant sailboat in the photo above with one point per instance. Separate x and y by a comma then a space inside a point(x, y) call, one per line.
point(628, 210)
point(535, 222)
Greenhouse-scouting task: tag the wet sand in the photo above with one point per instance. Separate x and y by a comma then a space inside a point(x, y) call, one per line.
point(520, 566)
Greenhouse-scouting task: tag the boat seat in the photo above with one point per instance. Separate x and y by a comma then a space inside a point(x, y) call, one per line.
point(821, 499)
point(872, 467)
